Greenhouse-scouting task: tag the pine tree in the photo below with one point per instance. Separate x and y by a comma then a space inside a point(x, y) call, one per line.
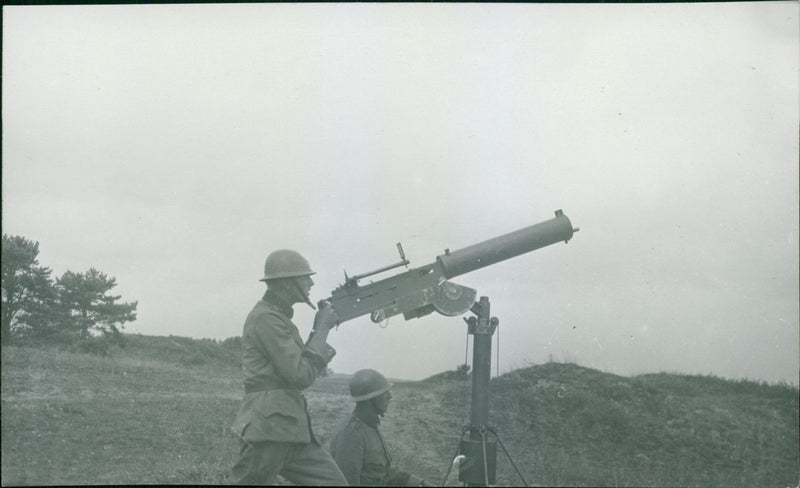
point(27, 296)
point(85, 306)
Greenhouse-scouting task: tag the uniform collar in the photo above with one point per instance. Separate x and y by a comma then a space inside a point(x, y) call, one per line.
point(274, 298)
point(366, 413)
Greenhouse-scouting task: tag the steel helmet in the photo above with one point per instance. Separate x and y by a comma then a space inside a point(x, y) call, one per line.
point(285, 263)
point(368, 383)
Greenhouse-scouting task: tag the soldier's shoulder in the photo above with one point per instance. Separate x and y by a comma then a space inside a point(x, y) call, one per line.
point(356, 425)
point(350, 426)
point(264, 318)
point(263, 311)
point(354, 433)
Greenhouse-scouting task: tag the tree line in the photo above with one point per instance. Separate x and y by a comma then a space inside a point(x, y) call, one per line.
point(36, 308)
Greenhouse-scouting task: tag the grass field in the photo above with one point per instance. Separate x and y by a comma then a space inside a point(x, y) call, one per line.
point(158, 412)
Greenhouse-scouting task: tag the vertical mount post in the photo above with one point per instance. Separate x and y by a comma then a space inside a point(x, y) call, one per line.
point(476, 457)
point(480, 453)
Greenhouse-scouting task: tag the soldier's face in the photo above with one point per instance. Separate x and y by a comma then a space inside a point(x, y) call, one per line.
point(305, 283)
point(297, 287)
point(381, 402)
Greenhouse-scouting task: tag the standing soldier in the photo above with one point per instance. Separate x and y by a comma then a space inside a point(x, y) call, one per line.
point(273, 423)
point(358, 446)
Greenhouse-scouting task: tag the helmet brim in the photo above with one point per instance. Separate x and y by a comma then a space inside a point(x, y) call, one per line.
point(374, 394)
point(275, 276)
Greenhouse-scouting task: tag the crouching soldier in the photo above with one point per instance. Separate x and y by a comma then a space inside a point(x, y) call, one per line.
point(357, 447)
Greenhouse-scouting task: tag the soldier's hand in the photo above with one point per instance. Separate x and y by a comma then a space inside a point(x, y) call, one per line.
point(414, 480)
point(325, 318)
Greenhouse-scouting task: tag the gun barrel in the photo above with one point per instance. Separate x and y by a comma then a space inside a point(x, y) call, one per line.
point(506, 246)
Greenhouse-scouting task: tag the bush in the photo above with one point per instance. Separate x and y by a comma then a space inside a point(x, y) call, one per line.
point(100, 345)
point(193, 358)
point(47, 337)
point(233, 344)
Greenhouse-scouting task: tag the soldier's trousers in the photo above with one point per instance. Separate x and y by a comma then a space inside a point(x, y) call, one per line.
point(260, 463)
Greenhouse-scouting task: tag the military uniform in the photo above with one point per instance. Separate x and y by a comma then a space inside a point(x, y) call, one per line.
point(361, 454)
point(273, 423)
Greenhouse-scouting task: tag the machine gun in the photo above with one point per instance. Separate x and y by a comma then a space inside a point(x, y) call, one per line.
point(421, 291)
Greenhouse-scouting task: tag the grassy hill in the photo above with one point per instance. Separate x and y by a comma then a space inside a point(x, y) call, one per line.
point(158, 411)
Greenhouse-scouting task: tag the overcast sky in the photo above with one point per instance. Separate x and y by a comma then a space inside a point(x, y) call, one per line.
point(173, 147)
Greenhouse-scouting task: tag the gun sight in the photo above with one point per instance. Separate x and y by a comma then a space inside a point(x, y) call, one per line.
point(353, 280)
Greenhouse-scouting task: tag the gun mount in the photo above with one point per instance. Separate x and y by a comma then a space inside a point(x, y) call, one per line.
point(418, 292)
point(421, 291)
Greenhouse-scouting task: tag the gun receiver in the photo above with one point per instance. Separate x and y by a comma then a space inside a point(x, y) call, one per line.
point(420, 291)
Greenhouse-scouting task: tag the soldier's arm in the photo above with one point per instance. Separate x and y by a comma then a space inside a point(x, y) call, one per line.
point(277, 340)
point(317, 347)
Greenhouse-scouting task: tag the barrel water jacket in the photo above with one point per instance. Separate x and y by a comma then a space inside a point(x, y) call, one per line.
point(277, 366)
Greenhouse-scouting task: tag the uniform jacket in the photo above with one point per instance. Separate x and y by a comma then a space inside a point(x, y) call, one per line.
point(361, 454)
point(277, 366)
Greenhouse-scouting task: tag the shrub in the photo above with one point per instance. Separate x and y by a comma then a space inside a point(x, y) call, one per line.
point(100, 345)
point(233, 343)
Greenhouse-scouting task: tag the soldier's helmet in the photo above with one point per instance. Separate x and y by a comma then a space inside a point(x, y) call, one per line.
point(285, 263)
point(368, 383)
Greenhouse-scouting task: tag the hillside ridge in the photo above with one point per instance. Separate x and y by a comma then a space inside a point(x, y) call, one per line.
point(158, 411)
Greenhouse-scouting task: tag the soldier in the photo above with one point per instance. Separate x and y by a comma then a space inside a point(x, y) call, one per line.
point(273, 423)
point(358, 447)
